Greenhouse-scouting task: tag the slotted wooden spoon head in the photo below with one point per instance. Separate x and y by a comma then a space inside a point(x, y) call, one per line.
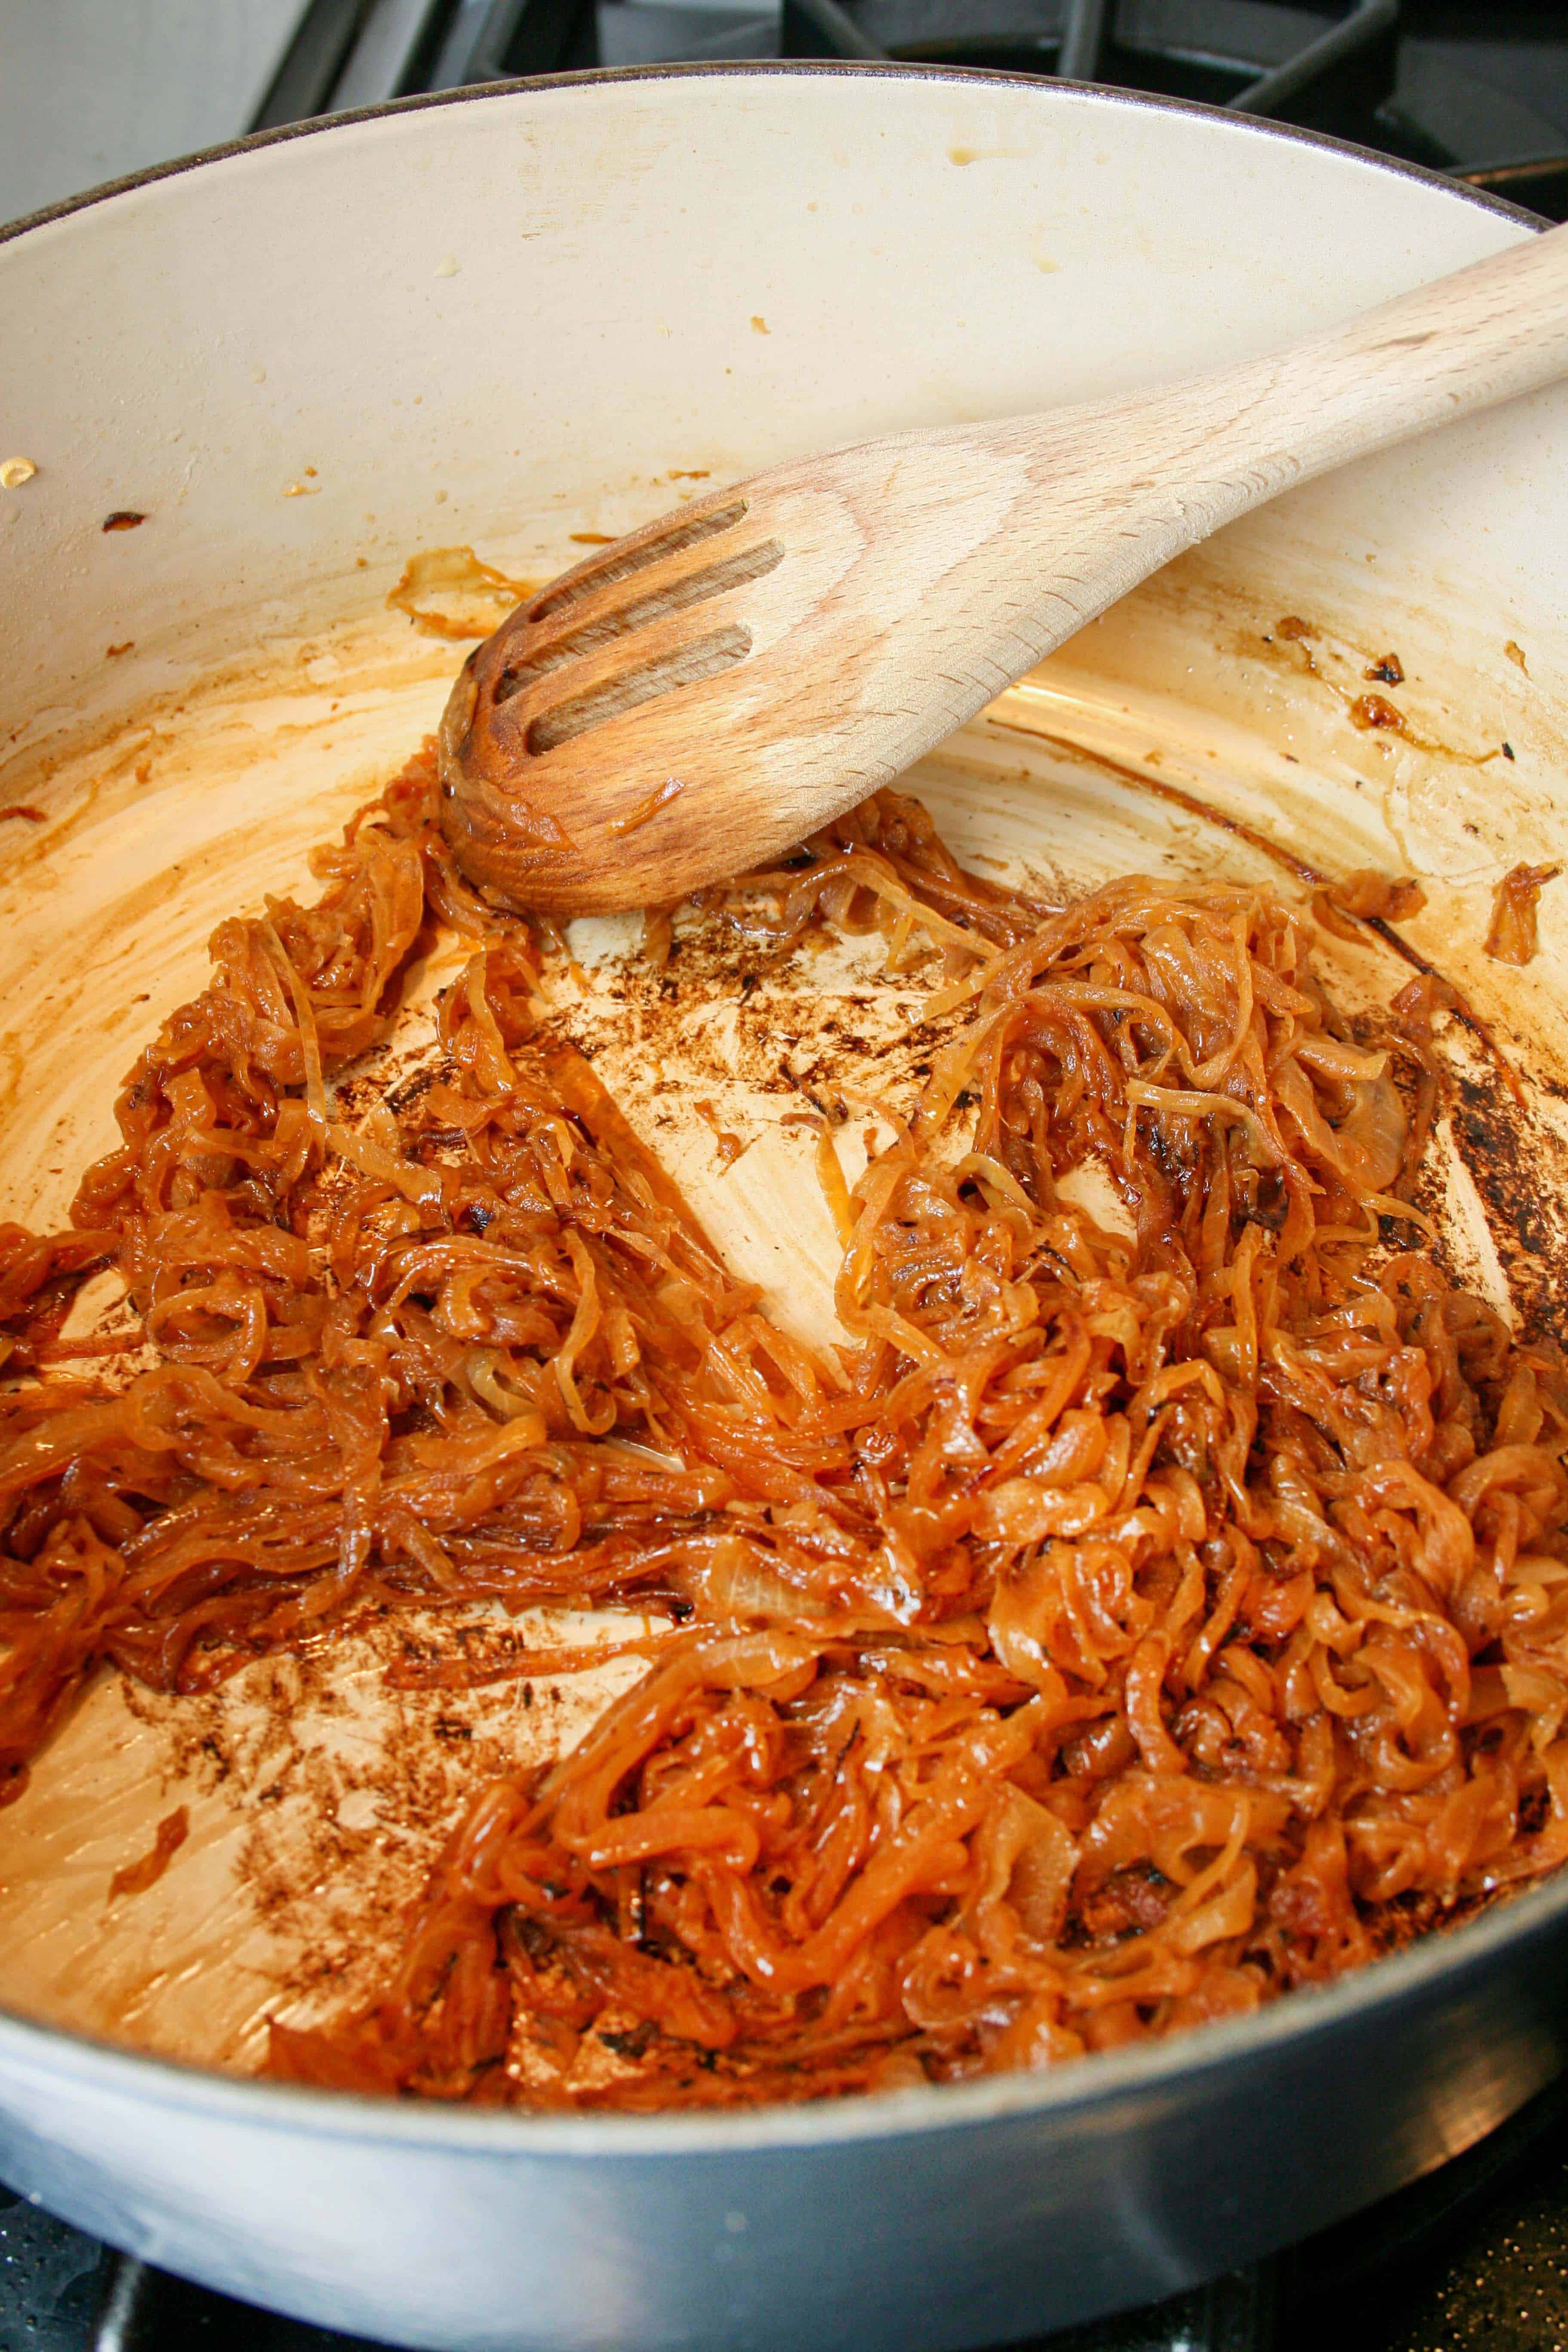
point(700, 696)
point(697, 697)
point(618, 741)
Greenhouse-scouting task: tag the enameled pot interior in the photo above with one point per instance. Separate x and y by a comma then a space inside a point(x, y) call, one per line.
point(512, 323)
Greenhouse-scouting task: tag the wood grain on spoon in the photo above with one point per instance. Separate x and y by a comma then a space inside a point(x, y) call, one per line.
point(699, 695)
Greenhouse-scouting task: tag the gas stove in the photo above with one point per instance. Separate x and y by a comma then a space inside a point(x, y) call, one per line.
point(1477, 2254)
point(1480, 92)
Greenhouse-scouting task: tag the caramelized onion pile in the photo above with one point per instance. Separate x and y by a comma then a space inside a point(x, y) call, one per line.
point(1135, 1620)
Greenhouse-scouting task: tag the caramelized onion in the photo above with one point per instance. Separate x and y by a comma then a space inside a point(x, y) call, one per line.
point(1117, 1632)
point(1511, 935)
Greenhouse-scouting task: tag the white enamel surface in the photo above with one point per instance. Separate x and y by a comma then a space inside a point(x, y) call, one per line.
point(507, 321)
point(547, 303)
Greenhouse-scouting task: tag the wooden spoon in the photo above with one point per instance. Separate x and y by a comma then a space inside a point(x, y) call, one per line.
point(693, 699)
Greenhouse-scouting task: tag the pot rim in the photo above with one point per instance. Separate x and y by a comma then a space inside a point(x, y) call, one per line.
point(783, 69)
point(1109, 2079)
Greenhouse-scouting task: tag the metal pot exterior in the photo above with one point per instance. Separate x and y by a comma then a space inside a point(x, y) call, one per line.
point(555, 298)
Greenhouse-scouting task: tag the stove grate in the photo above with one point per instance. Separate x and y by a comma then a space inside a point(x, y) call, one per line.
point(1481, 93)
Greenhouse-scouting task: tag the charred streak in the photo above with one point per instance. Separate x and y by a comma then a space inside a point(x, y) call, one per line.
point(1519, 1170)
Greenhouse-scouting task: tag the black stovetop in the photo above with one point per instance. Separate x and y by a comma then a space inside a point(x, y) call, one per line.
point(1474, 2258)
point(1480, 91)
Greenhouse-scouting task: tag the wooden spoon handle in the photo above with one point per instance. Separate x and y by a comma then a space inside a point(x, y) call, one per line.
point(1441, 352)
point(886, 591)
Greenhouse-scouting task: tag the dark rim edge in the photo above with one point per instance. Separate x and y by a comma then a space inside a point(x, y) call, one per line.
point(747, 69)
